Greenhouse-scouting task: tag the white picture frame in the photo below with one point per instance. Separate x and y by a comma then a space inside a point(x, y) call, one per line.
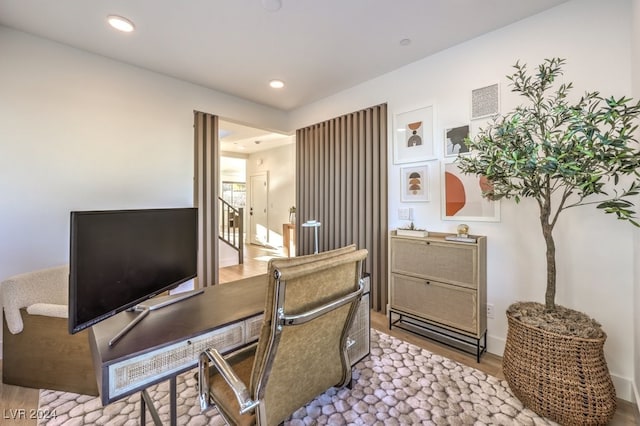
point(414, 136)
point(485, 101)
point(454, 144)
point(414, 183)
point(462, 196)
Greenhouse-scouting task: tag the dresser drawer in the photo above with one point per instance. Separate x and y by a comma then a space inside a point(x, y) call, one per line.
point(449, 305)
point(444, 262)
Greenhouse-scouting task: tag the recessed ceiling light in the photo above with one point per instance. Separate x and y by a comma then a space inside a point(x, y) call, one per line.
point(276, 84)
point(120, 23)
point(405, 42)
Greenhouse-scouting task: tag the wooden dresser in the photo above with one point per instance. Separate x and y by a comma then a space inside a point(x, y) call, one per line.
point(438, 289)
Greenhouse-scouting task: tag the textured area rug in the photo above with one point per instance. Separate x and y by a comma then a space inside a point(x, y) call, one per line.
point(398, 384)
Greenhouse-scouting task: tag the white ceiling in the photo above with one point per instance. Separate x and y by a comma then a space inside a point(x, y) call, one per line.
point(318, 47)
point(242, 139)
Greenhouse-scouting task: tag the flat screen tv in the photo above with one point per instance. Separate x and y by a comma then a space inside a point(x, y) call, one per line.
point(120, 258)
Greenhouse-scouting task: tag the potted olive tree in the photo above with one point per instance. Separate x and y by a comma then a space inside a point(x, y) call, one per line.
point(562, 154)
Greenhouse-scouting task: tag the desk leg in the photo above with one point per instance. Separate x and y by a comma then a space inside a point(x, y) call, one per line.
point(173, 401)
point(146, 400)
point(143, 410)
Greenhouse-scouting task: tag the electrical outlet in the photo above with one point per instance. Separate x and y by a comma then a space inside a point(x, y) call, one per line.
point(490, 311)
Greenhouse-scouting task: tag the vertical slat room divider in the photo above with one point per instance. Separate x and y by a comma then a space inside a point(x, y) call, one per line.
point(341, 172)
point(205, 197)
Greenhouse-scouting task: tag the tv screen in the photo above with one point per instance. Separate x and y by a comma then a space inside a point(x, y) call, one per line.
point(120, 258)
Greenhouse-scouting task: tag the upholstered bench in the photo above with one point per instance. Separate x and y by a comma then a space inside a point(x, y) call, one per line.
point(37, 349)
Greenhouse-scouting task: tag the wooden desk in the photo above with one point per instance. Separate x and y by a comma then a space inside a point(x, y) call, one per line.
point(169, 340)
point(289, 238)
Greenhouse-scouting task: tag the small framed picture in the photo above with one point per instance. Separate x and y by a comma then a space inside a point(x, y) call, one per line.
point(414, 137)
point(485, 101)
point(414, 183)
point(462, 196)
point(454, 141)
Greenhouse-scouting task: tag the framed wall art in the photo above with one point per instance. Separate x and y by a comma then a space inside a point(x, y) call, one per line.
point(462, 196)
point(485, 101)
point(414, 183)
point(413, 136)
point(454, 143)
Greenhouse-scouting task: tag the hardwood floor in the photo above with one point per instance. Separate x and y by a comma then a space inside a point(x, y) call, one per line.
point(256, 259)
point(18, 404)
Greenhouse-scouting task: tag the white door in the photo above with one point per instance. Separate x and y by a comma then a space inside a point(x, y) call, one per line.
point(258, 225)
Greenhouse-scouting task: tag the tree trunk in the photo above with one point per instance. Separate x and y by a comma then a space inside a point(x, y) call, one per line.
point(547, 232)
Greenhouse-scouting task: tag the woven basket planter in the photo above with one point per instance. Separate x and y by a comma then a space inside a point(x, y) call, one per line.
point(563, 378)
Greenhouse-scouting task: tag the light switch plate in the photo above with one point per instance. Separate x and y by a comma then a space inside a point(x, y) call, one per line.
point(405, 213)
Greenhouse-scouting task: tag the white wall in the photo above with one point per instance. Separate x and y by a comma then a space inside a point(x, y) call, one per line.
point(595, 252)
point(79, 131)
point(635, 55)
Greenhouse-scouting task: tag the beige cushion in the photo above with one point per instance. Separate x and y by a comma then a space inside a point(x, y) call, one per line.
point(50, 286)
point(48, 310)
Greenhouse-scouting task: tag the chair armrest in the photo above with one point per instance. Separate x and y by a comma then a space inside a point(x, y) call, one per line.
point(304, 317)
point(220, 363)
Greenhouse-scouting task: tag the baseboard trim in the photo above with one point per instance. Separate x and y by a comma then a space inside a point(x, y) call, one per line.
point(625, 388)
point(636, 392)
point(495, 345)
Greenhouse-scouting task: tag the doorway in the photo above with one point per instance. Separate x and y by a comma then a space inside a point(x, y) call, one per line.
point(258, 208)
point(268, 170)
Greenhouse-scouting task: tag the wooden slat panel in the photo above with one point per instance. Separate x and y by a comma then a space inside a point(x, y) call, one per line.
point(341, 173)
point(206, 195)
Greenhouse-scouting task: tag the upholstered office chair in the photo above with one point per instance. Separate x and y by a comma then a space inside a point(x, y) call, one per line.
point(301, 351)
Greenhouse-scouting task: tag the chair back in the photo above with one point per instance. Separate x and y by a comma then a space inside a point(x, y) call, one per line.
point(310, 306)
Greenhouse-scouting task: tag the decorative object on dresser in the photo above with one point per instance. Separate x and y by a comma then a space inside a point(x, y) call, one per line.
point(438, 289)
point(462, 236)
point(412, 231)
point(563, 153)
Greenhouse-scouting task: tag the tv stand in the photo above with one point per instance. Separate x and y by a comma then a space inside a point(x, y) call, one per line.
point(144, 309)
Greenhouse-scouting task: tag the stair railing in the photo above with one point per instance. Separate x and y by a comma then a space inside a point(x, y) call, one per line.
point(232, 227)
